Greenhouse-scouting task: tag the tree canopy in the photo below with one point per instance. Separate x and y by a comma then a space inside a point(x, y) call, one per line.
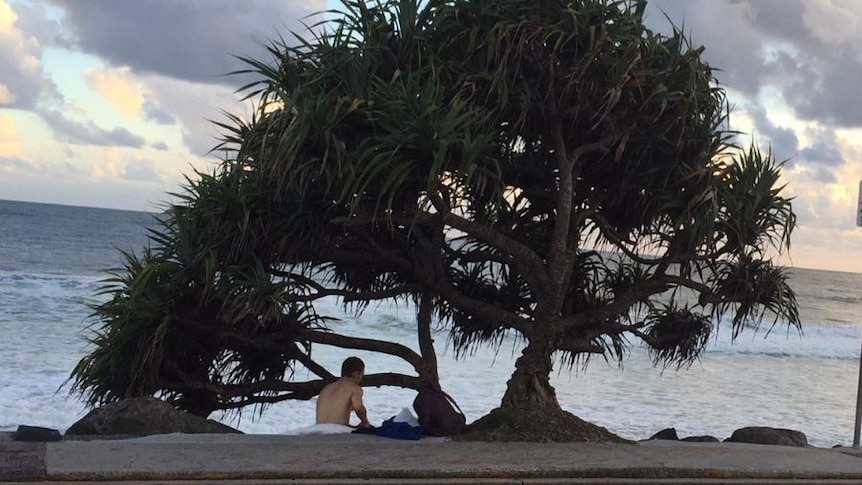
point(546, 168)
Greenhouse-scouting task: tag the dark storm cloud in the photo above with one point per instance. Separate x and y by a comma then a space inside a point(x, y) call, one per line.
point(782, 19)
point(88, 133)
point(182, 39)
point(821, 157)
point(823, 153)
point(726, 29)
point(33, 19)
point(828, 90)
point(783, 141)
point(779, 46)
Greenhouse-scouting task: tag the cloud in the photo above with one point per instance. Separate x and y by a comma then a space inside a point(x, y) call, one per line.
point(833, 22)
point(118, 88)
point(783, 140)
point(7, 16)
point(13, 164)
point(152, 112)
point(818, 159)
point(794, 48)
point(819, 68)
point(87, 133)
point(127, 94)
point(194, 105)
point(793, 67)
point(76, 190)
point(817, 163)
point(6, 96)
point(142, 170)
point(23, 166)
point(10, 145)
point(115, 166)
point(826, 90)
point(823, 153)
point(33, 19)
point(20, 63)
point(184, 40)
point(726, 28)
point(160, 145)
point(109, 168)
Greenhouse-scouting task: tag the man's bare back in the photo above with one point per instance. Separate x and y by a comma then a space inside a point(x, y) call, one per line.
point(338, 399)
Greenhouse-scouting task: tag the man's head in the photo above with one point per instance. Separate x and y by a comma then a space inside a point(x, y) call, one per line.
point(353, 367)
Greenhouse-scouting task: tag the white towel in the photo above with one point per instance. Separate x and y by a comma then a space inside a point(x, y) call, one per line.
point(325, 428)
point(406, 416)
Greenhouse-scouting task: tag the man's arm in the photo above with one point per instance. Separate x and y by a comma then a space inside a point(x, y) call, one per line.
point(359, 407)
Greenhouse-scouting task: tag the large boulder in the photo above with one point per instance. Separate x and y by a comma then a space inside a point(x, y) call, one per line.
point(701, 439)
point(143, 417)
point(36, 433)
point(665, 434)
point(671, 435)
point(769, 436)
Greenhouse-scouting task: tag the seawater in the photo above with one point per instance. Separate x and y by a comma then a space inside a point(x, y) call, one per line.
point(51, 262)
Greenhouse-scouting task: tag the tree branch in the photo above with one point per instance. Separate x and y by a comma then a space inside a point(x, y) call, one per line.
point(382, 346)
point(306, 360)
point(620, 306)
point(289, 390)
point(480, 308)
point(601, 146)
point(531, 266)
point(351, 296)
point(476, 256)
point(437, 281)
point(664, 261)
point(560, 254)
point(579, 347)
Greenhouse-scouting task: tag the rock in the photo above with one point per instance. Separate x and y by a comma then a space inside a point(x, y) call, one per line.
point(701, 439)
point(665, 434)
point(769, 436)
point(36, 433)
point(143, 417)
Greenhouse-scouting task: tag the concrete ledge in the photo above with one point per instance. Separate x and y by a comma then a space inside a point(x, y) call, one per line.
point(362, 458)
point(21, 461)
point(471, 481)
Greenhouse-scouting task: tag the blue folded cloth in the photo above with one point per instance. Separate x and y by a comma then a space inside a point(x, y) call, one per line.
point(399, 430)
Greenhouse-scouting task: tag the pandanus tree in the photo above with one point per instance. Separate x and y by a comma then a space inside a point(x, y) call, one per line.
point(550, 169)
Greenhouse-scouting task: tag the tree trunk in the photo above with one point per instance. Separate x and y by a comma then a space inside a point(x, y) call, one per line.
point(530, 410)
point(529, 390)
point(428, 373)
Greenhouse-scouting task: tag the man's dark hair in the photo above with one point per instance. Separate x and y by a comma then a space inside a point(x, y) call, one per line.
point(351, 365)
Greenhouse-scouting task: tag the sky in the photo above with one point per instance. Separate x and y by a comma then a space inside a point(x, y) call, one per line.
point(110, 103)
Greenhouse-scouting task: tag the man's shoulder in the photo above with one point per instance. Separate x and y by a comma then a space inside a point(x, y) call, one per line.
point(352, 385)
point(343, 384)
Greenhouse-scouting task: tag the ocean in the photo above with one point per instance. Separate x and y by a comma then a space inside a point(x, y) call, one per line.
point(52, 258)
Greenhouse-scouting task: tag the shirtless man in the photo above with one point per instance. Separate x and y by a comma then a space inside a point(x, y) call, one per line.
point(337, 399)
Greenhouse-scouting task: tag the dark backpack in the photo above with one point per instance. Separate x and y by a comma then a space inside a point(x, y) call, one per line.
point(438, 413)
